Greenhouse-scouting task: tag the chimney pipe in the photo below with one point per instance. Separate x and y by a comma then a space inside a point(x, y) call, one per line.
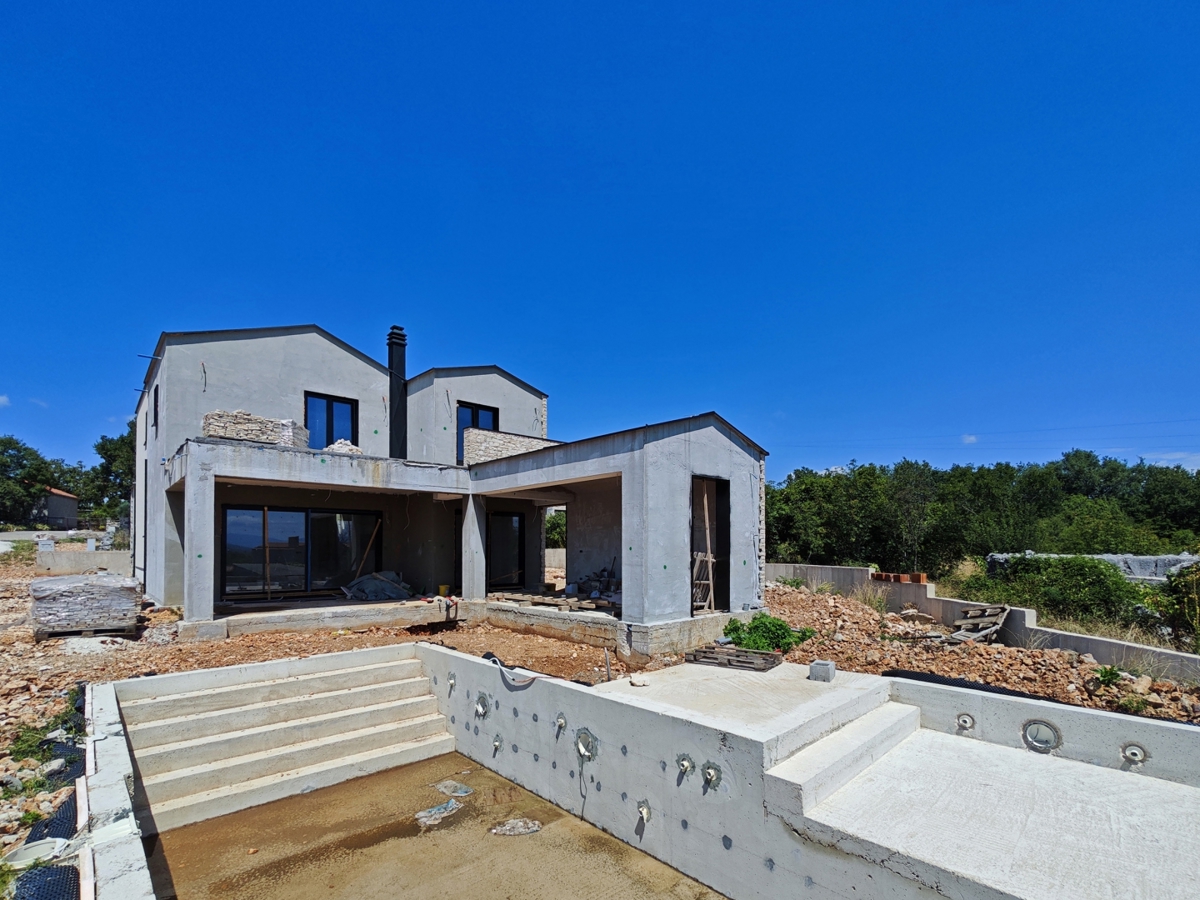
point(397, 342)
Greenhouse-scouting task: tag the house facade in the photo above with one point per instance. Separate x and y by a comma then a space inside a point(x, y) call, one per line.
point(443, 477)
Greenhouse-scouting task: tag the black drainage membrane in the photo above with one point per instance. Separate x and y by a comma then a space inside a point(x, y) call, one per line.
point(48, 883)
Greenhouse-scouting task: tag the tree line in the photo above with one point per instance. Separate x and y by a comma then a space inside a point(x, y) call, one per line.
point(103, 489)
point(913, 517)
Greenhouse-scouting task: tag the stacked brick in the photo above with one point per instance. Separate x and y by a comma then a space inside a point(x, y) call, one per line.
point(242, 426)
point(906, 578)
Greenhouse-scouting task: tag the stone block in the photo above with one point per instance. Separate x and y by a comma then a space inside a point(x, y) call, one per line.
point(203, 631)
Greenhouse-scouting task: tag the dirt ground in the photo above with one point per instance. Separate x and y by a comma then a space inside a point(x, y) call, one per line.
point(360, 840)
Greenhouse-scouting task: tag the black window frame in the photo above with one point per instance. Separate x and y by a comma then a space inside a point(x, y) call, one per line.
point(226, 597)
point(476, 409)
point(330, 399)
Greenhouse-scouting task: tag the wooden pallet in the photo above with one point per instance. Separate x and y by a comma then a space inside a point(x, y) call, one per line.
point(981, 624)
point(129, 632)
point(734, 658)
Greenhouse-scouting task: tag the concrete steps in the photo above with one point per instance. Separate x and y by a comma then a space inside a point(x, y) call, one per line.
point(222, 740)
point(190, 703)
point(160, 758)
point(799, 783)
point(232, 798)
point(224, 721)
point(206, 776)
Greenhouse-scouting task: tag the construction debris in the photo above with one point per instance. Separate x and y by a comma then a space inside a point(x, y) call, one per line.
point(343, 446)
point(435, 814)
point(378, 586)
point(515, 827)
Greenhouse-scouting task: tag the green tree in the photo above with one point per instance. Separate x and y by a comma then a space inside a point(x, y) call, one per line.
point(556, 529)
point(108, 485)
point(24, 476)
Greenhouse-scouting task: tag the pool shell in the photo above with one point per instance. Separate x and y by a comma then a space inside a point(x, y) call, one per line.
point(359, 839)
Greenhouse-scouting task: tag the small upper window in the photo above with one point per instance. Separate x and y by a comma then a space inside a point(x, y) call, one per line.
point(472, 415)
point(329, 420)
point(156, 410)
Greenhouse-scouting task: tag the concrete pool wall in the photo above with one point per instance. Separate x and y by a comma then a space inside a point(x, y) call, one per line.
point(772, 785)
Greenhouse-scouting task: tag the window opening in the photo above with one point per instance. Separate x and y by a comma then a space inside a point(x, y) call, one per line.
point(472, 415)
point(329, 420)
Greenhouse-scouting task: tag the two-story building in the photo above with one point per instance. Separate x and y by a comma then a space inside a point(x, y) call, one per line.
point(443, 477)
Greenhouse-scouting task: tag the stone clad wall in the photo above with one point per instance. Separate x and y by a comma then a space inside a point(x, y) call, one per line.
point(481, 445)
point(242, 426)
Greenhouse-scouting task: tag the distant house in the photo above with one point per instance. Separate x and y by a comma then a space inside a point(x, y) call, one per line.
point(58, 509)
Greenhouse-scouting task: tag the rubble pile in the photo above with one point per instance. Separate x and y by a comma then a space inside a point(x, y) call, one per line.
point(851, 634)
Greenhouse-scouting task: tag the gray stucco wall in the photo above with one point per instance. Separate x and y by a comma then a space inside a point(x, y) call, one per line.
point(594, 528)
point(656, 464)
point(432, 410)
point(264, 374)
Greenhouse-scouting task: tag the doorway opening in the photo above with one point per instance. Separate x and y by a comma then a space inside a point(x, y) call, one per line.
point(710, 545)
point(506, 550)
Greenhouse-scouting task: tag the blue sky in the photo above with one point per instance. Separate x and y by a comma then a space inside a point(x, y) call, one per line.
point(960, 231)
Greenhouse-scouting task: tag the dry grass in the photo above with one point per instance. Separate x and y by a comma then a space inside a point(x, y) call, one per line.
point(1131, 634)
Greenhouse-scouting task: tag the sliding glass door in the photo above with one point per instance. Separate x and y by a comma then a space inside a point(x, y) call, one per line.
point(341, 546)
point(269, 551)
point(506, 549)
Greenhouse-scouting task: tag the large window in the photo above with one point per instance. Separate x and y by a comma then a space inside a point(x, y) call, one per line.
point(471, 415)
point(330, 419)
point(270, 551)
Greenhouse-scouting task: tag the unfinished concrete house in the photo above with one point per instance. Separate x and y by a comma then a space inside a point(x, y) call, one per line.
point(279, 466)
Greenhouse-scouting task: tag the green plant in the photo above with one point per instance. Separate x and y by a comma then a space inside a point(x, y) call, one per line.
point(7, 875)
point(766, 633)
point(823, 587)
point(796, 583)
point(1132, 704)
point(30, 816)
point(27, 744)
point(1179, 605)
point(874, 595)
point(1108, 675)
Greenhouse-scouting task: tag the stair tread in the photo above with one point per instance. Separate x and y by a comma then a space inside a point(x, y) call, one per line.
point(299, 698)
point(298, 746)
point(249, 786)
point(176, 746)
point(845, 740)
point(183, 696)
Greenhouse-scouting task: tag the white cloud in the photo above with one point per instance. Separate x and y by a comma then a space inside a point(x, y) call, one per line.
point(1187, 460)
point(970, 439)
point(4, 401)
point(42, 403)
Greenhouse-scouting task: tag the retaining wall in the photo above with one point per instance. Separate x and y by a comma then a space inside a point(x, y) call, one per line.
point(1020, 627)
point(556, 557)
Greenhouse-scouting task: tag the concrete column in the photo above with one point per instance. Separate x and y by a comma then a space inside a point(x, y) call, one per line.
point(474, 549)
point(633, 541)
point(200, 555)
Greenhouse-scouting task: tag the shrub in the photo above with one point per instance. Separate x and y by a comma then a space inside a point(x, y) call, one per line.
point(1179, 606)
point(1071, 587)
point(766, 633)
point(796, 583)
point(1108, 675)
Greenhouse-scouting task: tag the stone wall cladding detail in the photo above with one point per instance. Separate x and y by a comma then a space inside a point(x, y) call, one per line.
point(240, 425)
point(480, 445)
